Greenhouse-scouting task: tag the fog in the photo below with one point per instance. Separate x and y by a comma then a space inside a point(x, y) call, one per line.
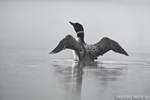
point(37, 24)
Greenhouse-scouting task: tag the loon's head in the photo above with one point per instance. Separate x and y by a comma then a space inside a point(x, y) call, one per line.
point(77, 27)
point(79, 30)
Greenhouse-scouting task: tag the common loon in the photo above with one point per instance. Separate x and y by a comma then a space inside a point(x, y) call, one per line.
point(83, 51)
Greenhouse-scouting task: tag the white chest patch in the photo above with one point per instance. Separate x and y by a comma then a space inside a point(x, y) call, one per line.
point(75, 56)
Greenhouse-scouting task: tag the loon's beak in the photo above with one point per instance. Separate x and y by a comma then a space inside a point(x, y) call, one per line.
point(71, 23)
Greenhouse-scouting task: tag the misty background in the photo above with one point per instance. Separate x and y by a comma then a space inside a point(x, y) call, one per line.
point(40, 25)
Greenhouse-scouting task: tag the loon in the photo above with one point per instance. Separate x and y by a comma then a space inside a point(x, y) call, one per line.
point(83, 51)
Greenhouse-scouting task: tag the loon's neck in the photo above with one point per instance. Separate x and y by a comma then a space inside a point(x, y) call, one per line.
point(80, 34)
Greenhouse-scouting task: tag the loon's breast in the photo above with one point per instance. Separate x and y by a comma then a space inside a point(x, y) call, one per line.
point(75, 56)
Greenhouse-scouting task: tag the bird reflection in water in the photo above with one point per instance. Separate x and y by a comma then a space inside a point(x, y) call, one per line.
point(70, 78)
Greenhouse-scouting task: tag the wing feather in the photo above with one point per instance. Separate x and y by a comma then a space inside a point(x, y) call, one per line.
point(104, 45)
point(117, 48)
point(66, 43)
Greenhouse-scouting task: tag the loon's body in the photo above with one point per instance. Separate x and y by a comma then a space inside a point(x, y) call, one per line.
point(83, 51)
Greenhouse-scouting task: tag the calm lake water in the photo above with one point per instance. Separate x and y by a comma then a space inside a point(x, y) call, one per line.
point(30, 30)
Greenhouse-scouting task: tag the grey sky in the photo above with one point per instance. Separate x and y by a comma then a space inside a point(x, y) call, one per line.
point(36, 24)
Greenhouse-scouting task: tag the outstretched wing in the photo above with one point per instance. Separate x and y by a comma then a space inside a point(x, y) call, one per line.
point(104, 45)
point(67, 43)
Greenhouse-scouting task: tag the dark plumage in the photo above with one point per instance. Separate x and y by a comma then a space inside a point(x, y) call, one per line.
point(85, 52)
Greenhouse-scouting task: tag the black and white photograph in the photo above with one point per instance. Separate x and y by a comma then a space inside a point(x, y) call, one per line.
point(74, 49)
